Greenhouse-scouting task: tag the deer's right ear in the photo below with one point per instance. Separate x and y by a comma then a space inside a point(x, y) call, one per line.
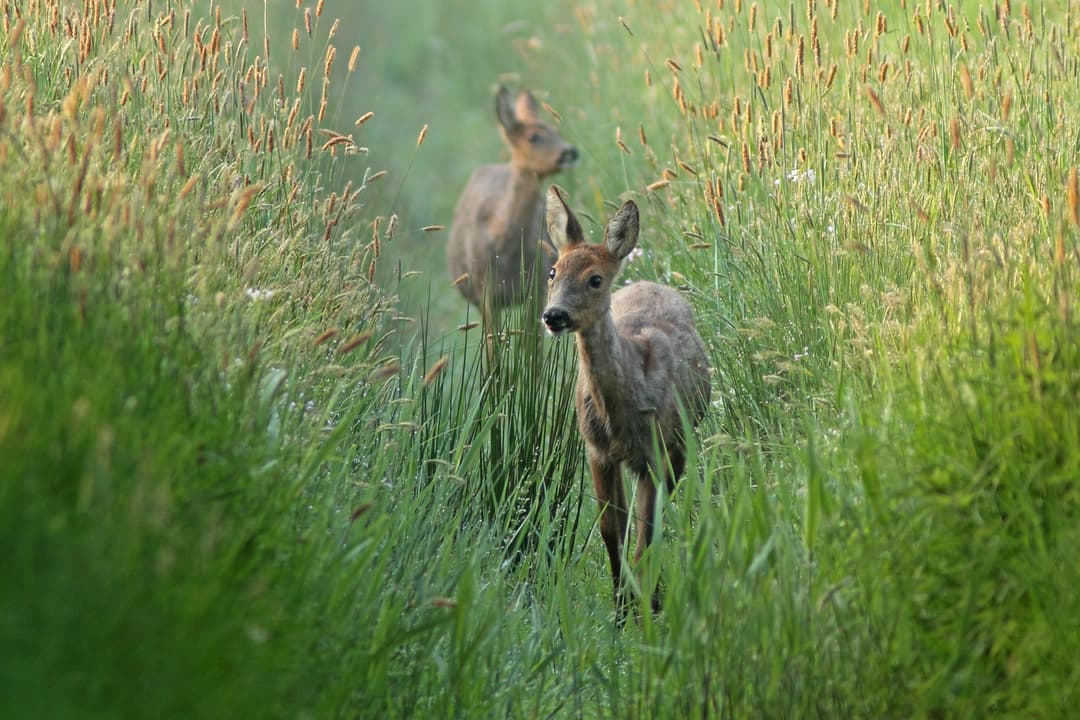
point(504, 110)
point(526, 107)
point(563, 227)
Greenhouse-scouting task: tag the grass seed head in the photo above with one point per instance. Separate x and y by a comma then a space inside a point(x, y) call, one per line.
point(436, 369)
point(328, 63)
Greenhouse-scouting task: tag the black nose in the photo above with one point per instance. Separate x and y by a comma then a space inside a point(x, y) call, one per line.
point(556, 319)
point(568, 157)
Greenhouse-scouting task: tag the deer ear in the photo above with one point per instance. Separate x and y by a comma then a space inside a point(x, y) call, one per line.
point(563, 227)
point(526, 107)
point(504, 110)
point(621, 234)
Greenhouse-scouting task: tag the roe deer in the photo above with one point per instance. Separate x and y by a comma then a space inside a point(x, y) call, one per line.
point(498, 251)
point(641, 363)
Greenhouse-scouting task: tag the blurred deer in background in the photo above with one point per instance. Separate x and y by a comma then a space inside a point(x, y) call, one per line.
point(499, 253)
point(641, 364)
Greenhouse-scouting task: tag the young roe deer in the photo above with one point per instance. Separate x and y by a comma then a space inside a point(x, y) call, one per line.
point(498, 251)
point(641, 363)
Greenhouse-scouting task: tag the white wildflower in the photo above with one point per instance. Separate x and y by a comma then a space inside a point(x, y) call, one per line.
point(258, 294)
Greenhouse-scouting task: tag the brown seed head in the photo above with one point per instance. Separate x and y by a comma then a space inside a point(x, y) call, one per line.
point(328, 63)
point(436, 369)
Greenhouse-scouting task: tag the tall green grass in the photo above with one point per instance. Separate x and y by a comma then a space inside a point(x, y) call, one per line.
point(249, 465)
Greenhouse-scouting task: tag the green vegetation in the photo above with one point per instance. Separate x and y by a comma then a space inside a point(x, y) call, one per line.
point(249, 466)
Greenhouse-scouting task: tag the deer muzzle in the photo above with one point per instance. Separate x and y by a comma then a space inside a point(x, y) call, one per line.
point(556, 321)
point(568, 157)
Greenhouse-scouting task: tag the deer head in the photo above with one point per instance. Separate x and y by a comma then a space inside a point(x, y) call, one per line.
point(534, 145)
point(579, 285)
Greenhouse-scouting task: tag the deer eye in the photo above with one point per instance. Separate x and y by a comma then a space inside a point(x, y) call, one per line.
point(535, 138)
point(596, 281)
point(551, 274)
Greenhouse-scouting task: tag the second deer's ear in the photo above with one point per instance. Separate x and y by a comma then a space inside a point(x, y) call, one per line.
point(504, 110)
point(563, 227)
point(621, 233)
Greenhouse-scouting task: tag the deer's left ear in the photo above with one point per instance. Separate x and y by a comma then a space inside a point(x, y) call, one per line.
point(563, 227)
point(504, 110)
point(621, 233)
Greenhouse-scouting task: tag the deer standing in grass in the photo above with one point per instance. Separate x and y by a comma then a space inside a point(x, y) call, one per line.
point(498, 252)
point(641, 363)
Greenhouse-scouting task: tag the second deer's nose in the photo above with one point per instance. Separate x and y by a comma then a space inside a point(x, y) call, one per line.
point(568, 157)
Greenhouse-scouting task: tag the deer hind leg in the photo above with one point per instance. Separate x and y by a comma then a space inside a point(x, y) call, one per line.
point(676, 463)
point(668, 471)
point(647, 526)
point(607, 482)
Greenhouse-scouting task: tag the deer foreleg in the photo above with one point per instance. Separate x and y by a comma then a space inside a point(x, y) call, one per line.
point(607, 483)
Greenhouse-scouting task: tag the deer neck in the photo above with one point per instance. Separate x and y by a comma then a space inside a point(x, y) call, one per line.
point(601, 357)
point(523, 209)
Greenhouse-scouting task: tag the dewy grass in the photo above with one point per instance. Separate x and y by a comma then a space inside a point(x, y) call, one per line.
point(233, 483)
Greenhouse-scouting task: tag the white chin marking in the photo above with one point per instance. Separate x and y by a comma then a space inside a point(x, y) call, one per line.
point(556, 333)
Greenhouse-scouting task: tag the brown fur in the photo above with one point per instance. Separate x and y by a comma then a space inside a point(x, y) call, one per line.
point(641, 363)
point(498, 252)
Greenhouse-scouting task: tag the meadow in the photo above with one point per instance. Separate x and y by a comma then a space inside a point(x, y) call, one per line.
point(253, 462)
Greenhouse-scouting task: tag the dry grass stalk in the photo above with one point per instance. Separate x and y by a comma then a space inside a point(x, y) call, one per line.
point(875, 101)
point(954, 133)
point(965, 81)
point(1073, 197)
